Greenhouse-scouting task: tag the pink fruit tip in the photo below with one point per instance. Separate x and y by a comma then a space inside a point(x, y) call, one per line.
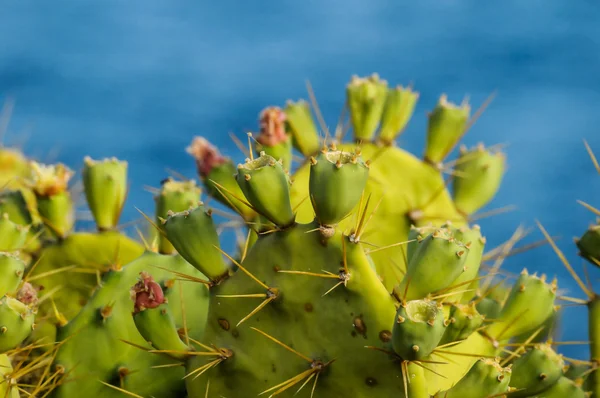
point(146, 293)
point(207, 155)
point(272, 126)
point(27, 294)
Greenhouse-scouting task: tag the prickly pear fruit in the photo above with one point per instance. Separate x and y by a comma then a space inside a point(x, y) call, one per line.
point(12, 236)
point(436, 264)
point(266, 185)
point(105, 185)
point(366, 99)
point(273, 139)
point(488, 307)
point(300, 122)
point(563, 388)
point(487, 378)
point(11, 272)
point(153, 319)
point(399, 107)
point(203, 251)
point(589, 245)
point(175, 196)
point(471, 237)
point(518, 315)
point(16, 322)
point(479, 173)
point(217, 173)
point(418, 328)
point(463, 321)
point(447, 124)
point(536, 371)
point(337, 181)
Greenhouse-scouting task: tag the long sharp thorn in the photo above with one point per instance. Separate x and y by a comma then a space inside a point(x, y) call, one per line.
point(254, 311)
point(290, 349)
point(242, 268)
point(330, 290)
point(121, 390)
point(589, 207)
point(390, 246)
point(592, 156)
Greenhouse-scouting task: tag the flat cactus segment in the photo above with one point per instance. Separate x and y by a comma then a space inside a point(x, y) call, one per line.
point(589, 245)
point(106, 321)
point(518, 316)
point(302, 126)
point(463, 320)
point(81, 257)
point(437, 263)
point(105, 185)
point(12, 269)
point(320, 323)
point(563, 388)
point(366, 99)
point(12, 235)
point(447, 124)
point(266, 185)
point(16, 323)
point(402, 185)
point(418, 328)
point(536, 371)
point(174, 196)
point(203, 251)
point(485, 379)
point(399, 107)
point(479, 173)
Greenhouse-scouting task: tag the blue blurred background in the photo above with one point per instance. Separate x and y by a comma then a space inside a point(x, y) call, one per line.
point(137, 79)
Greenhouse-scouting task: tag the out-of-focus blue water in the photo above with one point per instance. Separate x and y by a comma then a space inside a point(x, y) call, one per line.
point(138, 79)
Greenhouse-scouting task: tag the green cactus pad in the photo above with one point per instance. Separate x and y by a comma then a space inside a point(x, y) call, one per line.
point(518, 315)
point(479, 173)
point(16, 323)
point(563, 388)
point(302, 126)
point(105, 185)
point(486, 378)
point(437, 263)
point(447, 124)
point(202, 251)
point(418, 328)
point(536, 371)
point(366, 99)
point(12, 269)
point(462, 322)
point(12, 235)
point(266, 185)
point(174, 196)
point(589, 245)
point(399, 107)
point(337, 181)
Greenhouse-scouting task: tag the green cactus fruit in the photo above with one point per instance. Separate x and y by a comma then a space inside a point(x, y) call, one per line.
point(399, 107)
point(105, 326)
point(418, 328)
point(266, 185)
point(463, 320)
point(479, 173)
point(563, 388)
point(16, 322)
point(536, 370)
point(489, 307)
point(302, 126)
point(518, 315)
point(436, 264)
point(12, 269)
point(487, 378)
point(105, 185)
point(337, 181)
point(366, 99)
point(472, 239)
point(153, 318)
point(273, 139)
point(203, 251)
point(589, 245)
point(175, 196)
point(12, 235)
point(218, 175)
point(447, 124)
point(415, 236)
